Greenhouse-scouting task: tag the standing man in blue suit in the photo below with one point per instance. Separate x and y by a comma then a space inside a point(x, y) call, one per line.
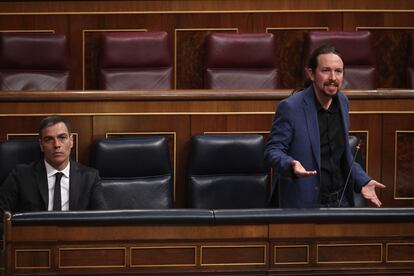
point(308, 145)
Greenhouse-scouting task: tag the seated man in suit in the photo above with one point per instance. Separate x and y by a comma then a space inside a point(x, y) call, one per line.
point(55, 183)
point(308, 146)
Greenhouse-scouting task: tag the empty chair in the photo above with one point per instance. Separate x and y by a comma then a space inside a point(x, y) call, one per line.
point(357, 53)
point(241, 61)
point(135, 60)
point(15, 152)
point(227, 171)
point(410, 65)
point(136, 173)
point(33, 61)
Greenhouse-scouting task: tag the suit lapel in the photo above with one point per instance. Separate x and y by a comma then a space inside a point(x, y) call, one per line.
point(74, 180)
point(41, 180)
point(312, 123)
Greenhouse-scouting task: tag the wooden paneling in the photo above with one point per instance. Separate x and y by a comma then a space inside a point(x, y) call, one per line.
point(94, 257)
point(397, 172)
point(291, 254)
point(163, 256)
point(404, 154)
point(349, 253)
point(277, 248)
point(400, 252)
point(232, 255)
point(32, 258)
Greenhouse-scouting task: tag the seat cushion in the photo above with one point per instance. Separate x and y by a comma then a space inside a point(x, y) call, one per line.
point(242, 79)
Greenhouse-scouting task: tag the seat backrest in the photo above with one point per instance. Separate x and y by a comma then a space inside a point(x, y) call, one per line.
point(410, 65)
point(227, 171)
point(33, 61)
point(357, 53)
point(135, 60)
point(353, 142)
point(13, 152)
point(241, 61)
point(136, 172)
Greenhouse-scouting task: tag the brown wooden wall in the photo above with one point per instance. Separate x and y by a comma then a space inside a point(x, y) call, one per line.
point(188, 22)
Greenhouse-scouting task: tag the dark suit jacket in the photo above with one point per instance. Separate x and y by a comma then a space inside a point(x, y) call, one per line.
point(295, 135)
point(26, 189)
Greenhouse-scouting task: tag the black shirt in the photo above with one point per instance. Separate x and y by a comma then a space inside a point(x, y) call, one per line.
point(332, 151)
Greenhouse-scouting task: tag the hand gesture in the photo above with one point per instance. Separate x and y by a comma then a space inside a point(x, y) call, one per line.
point(300, 171)
point(368, 192)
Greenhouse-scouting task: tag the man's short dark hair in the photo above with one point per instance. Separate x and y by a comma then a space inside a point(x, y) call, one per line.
point(51, 121)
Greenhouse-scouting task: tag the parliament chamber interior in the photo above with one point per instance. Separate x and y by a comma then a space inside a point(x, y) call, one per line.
point(170, 100)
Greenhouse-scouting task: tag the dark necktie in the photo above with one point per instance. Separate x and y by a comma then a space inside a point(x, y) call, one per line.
point(57, 201)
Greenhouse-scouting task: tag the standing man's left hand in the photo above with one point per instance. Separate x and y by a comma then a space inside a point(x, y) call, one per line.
point(368, 192)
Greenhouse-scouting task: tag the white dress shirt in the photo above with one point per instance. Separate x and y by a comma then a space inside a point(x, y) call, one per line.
point(64, 186)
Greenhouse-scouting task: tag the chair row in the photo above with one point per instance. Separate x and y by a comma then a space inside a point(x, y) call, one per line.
point(136, 173)
point(224, 171)
point(142, 60)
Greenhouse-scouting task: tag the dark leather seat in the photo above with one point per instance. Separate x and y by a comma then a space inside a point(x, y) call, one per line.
point(136, 173)
point(410, 65)
point(227, 171)
point(357, 53)
point(13, 152)
point(135, 60)
point(35, 61)
point(241, 61)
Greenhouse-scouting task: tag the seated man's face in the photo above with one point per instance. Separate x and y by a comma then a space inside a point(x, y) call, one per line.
point(56, 144)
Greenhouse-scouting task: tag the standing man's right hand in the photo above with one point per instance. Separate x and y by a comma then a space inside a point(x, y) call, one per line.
point(300, 171)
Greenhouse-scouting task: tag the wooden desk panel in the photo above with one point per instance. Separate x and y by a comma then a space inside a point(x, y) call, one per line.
point(275, 246)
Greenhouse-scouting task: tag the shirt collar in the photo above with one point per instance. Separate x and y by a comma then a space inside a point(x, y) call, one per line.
point(52, 171)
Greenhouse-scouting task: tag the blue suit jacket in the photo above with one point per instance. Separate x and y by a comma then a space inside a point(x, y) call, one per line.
point(295, 135)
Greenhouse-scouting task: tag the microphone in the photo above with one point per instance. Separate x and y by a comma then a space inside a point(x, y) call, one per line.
point(358, 146)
